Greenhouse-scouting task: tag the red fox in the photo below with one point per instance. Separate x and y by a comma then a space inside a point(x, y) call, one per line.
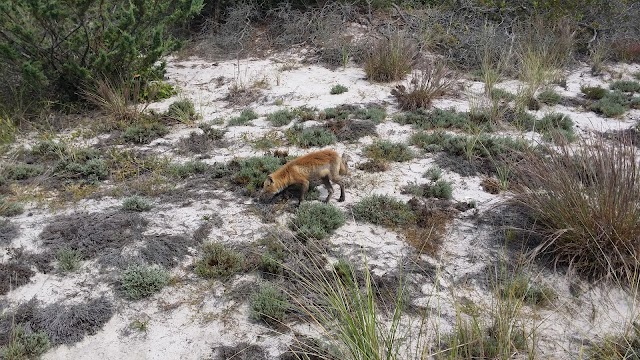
point(325, 165)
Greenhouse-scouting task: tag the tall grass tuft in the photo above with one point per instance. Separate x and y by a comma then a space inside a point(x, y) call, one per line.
point(585, 204)
point(389, 60)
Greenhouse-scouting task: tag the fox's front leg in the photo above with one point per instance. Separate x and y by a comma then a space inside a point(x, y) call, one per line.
point(327, 184)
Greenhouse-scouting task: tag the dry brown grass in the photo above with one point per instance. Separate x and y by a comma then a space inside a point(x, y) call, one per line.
point(432, 81)
point(390, 59)
point(585, 202)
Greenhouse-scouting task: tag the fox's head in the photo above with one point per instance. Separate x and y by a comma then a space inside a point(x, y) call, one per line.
point(269, 189)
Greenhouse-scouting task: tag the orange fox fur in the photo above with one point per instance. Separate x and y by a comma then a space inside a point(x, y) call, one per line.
point(325, 165)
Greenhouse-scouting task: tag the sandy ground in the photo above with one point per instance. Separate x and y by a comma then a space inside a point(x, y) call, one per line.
point(201, 317)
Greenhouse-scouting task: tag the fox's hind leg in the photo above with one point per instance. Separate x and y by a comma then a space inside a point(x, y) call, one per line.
point(303, 192)
point(327, 184)
point(338, 180)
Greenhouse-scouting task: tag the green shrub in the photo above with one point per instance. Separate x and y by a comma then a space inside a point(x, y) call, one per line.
point(182, 110)
point(269, 304)
point(389, 60)
point(245, 117)
point(157, 91)
point(82, 164)
point(499, 94)
point(593, 92)
point(25, 344)
point(22, 171)
point(614, 103)
point(187, 169)
point(433, 173)
point(139, 281)
point(552, 126)
point(316, 220)
point(441, 189)
point(254, 170)
point(281, 117)
point(217, 261)
point(521, 287)
point(311, 136)
point(49, 150)
point(549, 97)
point(10, 208)
point(437, 118)
point(68, 259)
point(374, 113)
point(55, 48)
point(388, 151)
point(144, 133)
point(482, 146)
point(338, 89)
point(269, 264)
point(383, 210)
point(136, 203)
point(625, 86)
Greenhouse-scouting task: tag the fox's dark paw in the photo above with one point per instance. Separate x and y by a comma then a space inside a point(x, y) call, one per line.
point(341, 199)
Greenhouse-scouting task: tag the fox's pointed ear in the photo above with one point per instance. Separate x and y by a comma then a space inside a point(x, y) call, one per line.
point(270, 179)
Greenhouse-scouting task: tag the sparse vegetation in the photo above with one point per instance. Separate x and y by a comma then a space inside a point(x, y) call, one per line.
point(627, 86)
point(520, 286)
point(440, 189)
point(183, 111)
point(25, 344)
point(136, 203)
point(388, 151)
point(554, 126)
point(311, 136)
point(482, 146)
point(429, 83)
point(140, 281)
point(68, 259)
point(339, 89)
point(269, 304)
point(383, 210)
point(593, 92)
point(437, 118)
point(253, 171)
point(21, 171)
point(144, 133)
point(316, 220)
point(10, 208)
point(281, 117)
point(389, 60)
point(218, 262)
point(433, 173)
point(621, 347)
point(549, 97)
point(245, 117)
point(612, 104)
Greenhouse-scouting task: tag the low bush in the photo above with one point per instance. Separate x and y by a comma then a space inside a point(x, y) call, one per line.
point(553, 126)
point(144, 133)
point(245, 117)
point(188, 169)
point(583, 200)
point(441, 189)
point(612, 104)
point(140, 281)
point(593, 92)
point(437, 118)
point(251, 172)
point(311, 136)
point(549, 97)
point(82, 164)
point(621, 347)
point(21, 171)
point(383, 210)
point(499, 94)
point(316, 220)
point(68, 259)
point(625, 86)
point(218, 262)
point(339, 89)
point(389, 60)
point(389, 151)
point(482, 146)
point(269, 304)
point(521, 287)
point(25, 344)
point(10, 208)
point(157, 91)
point(182, 110)
point(13, 275)
point(433, 173)
point(281, 117)
point(136, 203)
